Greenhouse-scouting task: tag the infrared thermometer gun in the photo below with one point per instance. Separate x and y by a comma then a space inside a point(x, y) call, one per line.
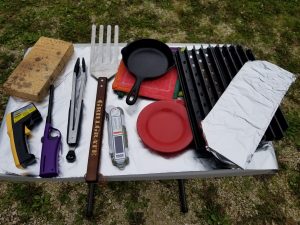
point(19, 123)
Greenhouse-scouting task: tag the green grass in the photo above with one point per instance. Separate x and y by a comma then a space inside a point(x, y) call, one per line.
point(294, 183)
point(271, 28)
point(32, 201)
point(293, 132)
point(212, 212)
point(270, 210)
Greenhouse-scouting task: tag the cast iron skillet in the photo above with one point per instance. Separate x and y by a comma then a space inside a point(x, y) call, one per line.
point(146, 59)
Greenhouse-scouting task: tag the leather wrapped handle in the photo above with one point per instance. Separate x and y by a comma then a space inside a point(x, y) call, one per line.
point(92, 173)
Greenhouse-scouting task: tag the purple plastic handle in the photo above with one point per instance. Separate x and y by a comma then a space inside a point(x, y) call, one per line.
point(50, 149)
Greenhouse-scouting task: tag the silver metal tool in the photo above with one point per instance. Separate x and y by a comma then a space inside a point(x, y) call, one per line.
point(76, 108)
point(118, 145)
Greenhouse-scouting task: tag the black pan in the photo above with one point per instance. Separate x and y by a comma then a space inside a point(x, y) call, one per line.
point(146, 59)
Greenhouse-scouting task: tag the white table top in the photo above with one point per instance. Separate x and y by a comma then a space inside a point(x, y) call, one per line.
point(144, 164)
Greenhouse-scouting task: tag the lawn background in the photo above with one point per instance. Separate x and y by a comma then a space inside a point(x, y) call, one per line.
point(271, 28)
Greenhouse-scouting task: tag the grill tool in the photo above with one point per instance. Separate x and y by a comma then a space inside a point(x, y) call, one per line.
point(76, 108)
point(104, 64)
point(19, 123)
point(204, 74)
point(51, 144)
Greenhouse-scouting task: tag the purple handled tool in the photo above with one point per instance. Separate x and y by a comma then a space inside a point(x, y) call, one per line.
point(51, 145)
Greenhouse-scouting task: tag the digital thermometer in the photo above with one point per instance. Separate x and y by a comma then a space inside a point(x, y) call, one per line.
point(118, 147)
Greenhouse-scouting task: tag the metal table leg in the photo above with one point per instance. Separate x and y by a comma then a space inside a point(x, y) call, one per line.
point(182, 196)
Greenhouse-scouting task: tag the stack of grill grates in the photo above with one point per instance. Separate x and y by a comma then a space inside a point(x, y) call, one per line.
point(204, 75)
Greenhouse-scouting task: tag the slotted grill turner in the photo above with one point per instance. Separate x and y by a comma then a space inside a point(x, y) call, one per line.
point(103, 65)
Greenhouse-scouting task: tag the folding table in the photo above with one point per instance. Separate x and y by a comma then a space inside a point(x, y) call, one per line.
point(144, 164)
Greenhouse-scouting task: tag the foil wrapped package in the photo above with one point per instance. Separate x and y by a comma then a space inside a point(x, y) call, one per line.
point(236, 124)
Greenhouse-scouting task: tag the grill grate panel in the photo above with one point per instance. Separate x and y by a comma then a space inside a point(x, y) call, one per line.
point(204, 75)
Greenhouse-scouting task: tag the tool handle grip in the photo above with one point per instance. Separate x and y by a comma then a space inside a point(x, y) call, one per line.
point(79, 123)
point(18, 144)
point(74, 126)
point(50, 150)
point(97, 132)
point(70, 124)
point(134, 92)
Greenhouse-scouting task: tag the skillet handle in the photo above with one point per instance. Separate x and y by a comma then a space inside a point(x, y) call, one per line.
point(134, 92)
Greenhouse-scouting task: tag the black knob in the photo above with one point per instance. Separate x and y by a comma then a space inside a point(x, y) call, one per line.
point(71, 157)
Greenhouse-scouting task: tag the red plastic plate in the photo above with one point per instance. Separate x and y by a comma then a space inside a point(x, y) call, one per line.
point(164, 126)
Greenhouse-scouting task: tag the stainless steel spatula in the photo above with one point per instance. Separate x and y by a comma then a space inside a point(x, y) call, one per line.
point(103, 65)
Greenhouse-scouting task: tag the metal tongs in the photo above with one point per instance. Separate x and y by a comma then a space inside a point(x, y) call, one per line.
point(76, 108)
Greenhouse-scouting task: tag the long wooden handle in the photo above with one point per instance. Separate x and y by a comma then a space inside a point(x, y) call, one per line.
point(97, 133)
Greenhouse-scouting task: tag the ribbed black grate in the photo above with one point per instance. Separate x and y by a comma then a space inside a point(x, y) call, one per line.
point(204, 75)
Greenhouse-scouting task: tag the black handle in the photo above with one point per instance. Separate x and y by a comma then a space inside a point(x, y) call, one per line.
point(182, 197)
point(134, 92)
point(50, 106)
point(80, 122)
point(69, 116)
point(18, 142)
point(90, 200)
